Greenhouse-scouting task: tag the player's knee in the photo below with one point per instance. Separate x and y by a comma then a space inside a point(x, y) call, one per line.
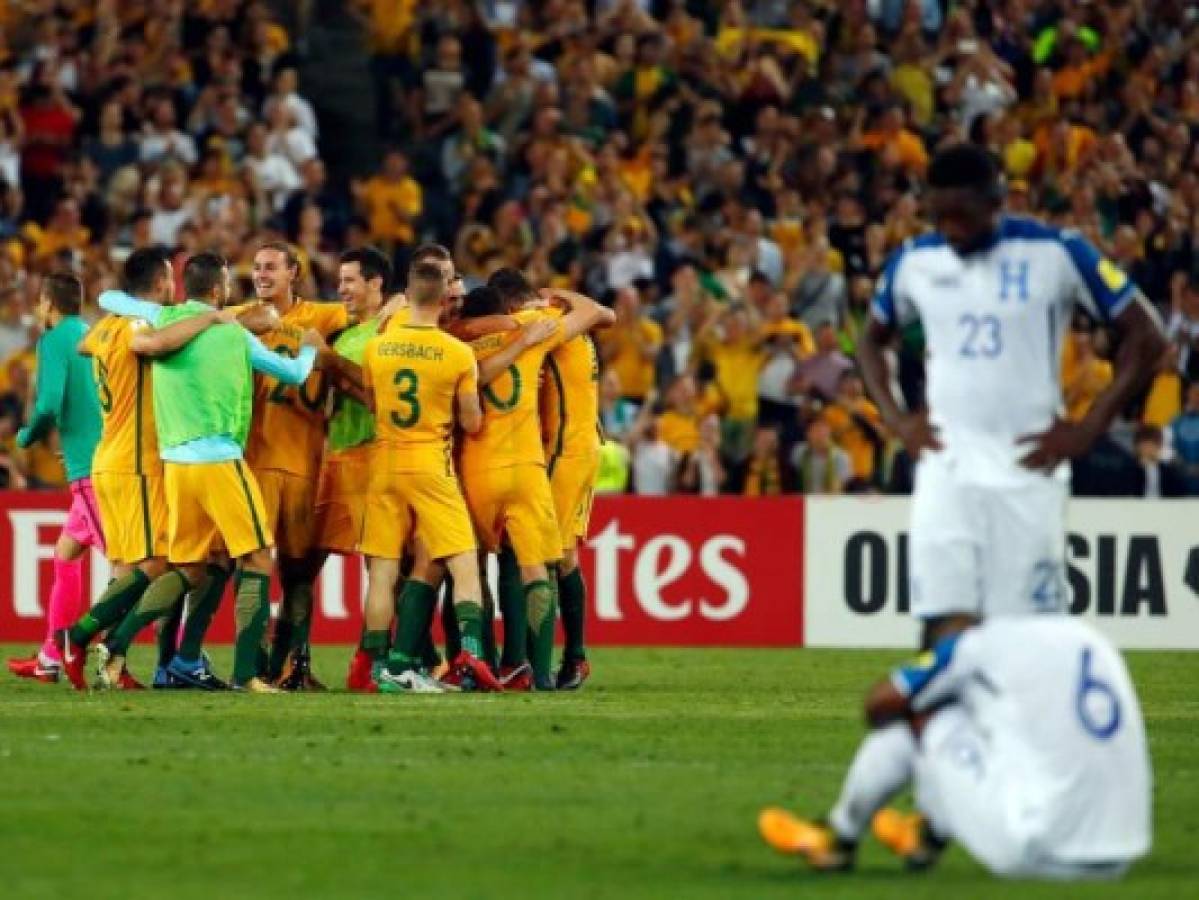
point(153, 568)
point(67, 549)
point(530, 574)
point(194, 575)
point(464, 569)
point(385, 572)
point(568, 563)
point(259, 561)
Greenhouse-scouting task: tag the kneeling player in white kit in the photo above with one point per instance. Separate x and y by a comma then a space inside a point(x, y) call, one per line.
point(1024, 741)
point(995, 294)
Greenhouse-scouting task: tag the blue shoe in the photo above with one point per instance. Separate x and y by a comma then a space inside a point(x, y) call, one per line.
point(195, 674)
point(163, 680)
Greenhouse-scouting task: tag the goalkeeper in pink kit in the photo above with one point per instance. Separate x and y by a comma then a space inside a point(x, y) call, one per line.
point(67, 399)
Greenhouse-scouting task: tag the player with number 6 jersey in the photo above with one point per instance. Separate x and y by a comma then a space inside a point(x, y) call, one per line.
point(1023, 739)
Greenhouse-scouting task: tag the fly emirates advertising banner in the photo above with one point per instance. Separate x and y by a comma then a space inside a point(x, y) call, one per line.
point(732, 572)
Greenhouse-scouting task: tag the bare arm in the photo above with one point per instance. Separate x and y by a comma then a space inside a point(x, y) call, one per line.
point(584, 314)
point(874, 370)
point(913, 429)
point(470, 411)
point(344, 374)
point(534, 333)
point(884, 704)
point(472, 329)
point(1142, 344)
point(161, 341)
point(258, 318)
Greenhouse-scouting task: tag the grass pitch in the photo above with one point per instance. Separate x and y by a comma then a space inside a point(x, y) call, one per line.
point(646, 784)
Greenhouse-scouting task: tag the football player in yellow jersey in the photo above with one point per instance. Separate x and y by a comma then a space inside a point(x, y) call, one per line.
point(571, 431)
point(503, 470)
point(286, 442)
point(126, 470)
point(420, 381)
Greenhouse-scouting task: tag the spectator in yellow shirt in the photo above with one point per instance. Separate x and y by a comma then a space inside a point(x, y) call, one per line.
point(764, 474)
point(735, 349)
point(895, 144)
point(857, 429)
point(1164, 402)
point(1085, 375)
point(912, 77)
point(631, 346)
point(678, 425)
point(1073, 79)
point(391, 201)
point(64, 231)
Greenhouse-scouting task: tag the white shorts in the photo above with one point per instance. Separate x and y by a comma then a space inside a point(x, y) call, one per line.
point(986, 551)
point(970, 795)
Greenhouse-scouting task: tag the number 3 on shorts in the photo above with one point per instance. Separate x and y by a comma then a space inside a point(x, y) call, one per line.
point(407, 383)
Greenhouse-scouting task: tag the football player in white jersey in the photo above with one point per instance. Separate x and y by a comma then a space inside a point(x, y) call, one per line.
point(994, 294)
point(1024, 741)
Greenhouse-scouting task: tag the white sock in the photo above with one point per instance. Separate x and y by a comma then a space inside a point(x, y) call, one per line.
point(880, 770)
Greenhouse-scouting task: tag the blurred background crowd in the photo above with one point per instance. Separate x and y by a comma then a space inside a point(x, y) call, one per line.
point(729, 175)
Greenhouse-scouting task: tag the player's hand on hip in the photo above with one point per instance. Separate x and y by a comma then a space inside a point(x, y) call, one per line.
point(917, 434)
point(1061, 441)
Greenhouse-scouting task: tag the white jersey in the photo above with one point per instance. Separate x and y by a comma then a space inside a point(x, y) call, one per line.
point(1057, 711)
point(994, 324)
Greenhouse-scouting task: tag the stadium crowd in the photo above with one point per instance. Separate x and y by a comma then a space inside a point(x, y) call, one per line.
point(730, 177)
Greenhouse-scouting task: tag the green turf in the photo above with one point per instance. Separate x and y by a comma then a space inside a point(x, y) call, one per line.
point(644, 785)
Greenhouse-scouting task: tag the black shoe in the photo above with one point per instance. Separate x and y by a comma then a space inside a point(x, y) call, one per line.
point(297, 674)
point(573, 673)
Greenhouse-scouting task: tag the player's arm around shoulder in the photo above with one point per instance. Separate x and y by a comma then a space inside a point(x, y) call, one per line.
point(87, 345)
point(582, 314)
point(470, 410)
point(370, 356)
point(332, 318)
point(536, 331)
point(162, 341)
point(256, 317)
point(286, 369)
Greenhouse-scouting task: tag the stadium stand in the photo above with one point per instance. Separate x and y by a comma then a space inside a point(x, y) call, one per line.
point(729, 176)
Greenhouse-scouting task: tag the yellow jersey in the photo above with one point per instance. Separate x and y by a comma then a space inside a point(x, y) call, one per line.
point(570, 400)
point(737, 369)
point(399, 320)
point(511, 432)
point(417, 372)
point(288, 430)
point(852, 437)
point(679, 430)
point(382, 197)
point(128, 442)
point(625, 345)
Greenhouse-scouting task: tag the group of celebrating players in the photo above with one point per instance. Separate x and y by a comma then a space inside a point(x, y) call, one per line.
point(422, 430)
